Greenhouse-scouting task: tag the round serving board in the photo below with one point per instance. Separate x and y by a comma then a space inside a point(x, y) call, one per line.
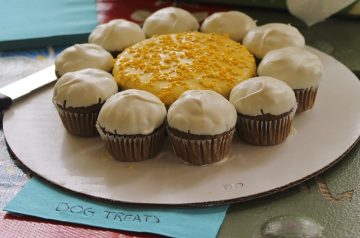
point(319, 138)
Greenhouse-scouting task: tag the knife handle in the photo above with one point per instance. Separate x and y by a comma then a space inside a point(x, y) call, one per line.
point(5, 102)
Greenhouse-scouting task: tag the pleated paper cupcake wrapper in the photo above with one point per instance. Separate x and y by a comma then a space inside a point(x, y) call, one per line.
point(305, 98)
point(264, 132)
point(131, 148)
point(79, 124)
point(201, 151)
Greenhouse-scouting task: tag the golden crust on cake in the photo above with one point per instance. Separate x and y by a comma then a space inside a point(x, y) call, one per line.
point(168, 65)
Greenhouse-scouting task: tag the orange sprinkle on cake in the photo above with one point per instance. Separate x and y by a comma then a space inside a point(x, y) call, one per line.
point(168, 65)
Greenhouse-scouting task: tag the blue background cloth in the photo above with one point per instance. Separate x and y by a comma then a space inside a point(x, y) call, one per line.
point(47, 18)
point(37, 23)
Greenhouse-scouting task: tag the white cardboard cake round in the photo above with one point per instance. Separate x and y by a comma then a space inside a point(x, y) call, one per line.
point(319, 138)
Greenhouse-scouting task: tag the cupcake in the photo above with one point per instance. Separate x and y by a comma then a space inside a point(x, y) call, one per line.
point(82, 56)
point(265, 108)
point(78, 97)
point(201, 125)
point(272, 36)
point(169, 20)
point(299, 68)
point(131, 123)
point(116, 35)
point(233, 23)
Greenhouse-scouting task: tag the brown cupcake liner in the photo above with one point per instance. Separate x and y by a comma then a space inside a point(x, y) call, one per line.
point(198, 149)
point(132, 148)
point(305, 98)
point(257, 131)
point(79, 123)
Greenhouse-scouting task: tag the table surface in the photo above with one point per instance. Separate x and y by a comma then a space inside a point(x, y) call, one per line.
point(327, 204)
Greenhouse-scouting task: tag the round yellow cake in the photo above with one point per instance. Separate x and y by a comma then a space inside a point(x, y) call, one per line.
point(168, 65)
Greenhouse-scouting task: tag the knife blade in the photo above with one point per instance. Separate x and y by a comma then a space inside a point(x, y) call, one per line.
point(24, 86)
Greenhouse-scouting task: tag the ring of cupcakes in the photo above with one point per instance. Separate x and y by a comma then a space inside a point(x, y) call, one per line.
point(82, 56)
point(265, 38)
point(299, 68)
point(201, 125)
point(78, 97)
point(116, 35)
point(265, 107)
point(176, 60)
point(132, 125)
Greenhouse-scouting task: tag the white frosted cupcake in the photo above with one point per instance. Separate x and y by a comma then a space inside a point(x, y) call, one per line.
point(201, 125)
point(299, 68)
point(82, 56)
point(78, 97)
point(233, 23)
point(169, 20)
point(116, 35)
point(131, 123)
point(272, 36)
point(265, 107)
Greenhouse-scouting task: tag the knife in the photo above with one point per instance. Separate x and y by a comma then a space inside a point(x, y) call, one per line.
point(24, 86)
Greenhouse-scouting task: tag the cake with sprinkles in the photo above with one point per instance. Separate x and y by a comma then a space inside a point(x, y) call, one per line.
point(168, 65)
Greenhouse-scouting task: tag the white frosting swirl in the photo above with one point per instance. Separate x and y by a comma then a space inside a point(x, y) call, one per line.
point(116, 35)
point(295, 66)
point(272, 36)
point(202, 112)
point(234, 23)
point(84, 88)
point(132, 112)
point(82, 56)
point(263, 95)
point(169, 20)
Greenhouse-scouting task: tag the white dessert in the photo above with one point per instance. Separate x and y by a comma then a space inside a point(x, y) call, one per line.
point(202, 112)
point(296, 66)
point(272, 36)
point(116, 35)
point(233, 23)
point(169, 20)
point(263, 95)
point(82, 56)
point(84, 88)
point(131, 112)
